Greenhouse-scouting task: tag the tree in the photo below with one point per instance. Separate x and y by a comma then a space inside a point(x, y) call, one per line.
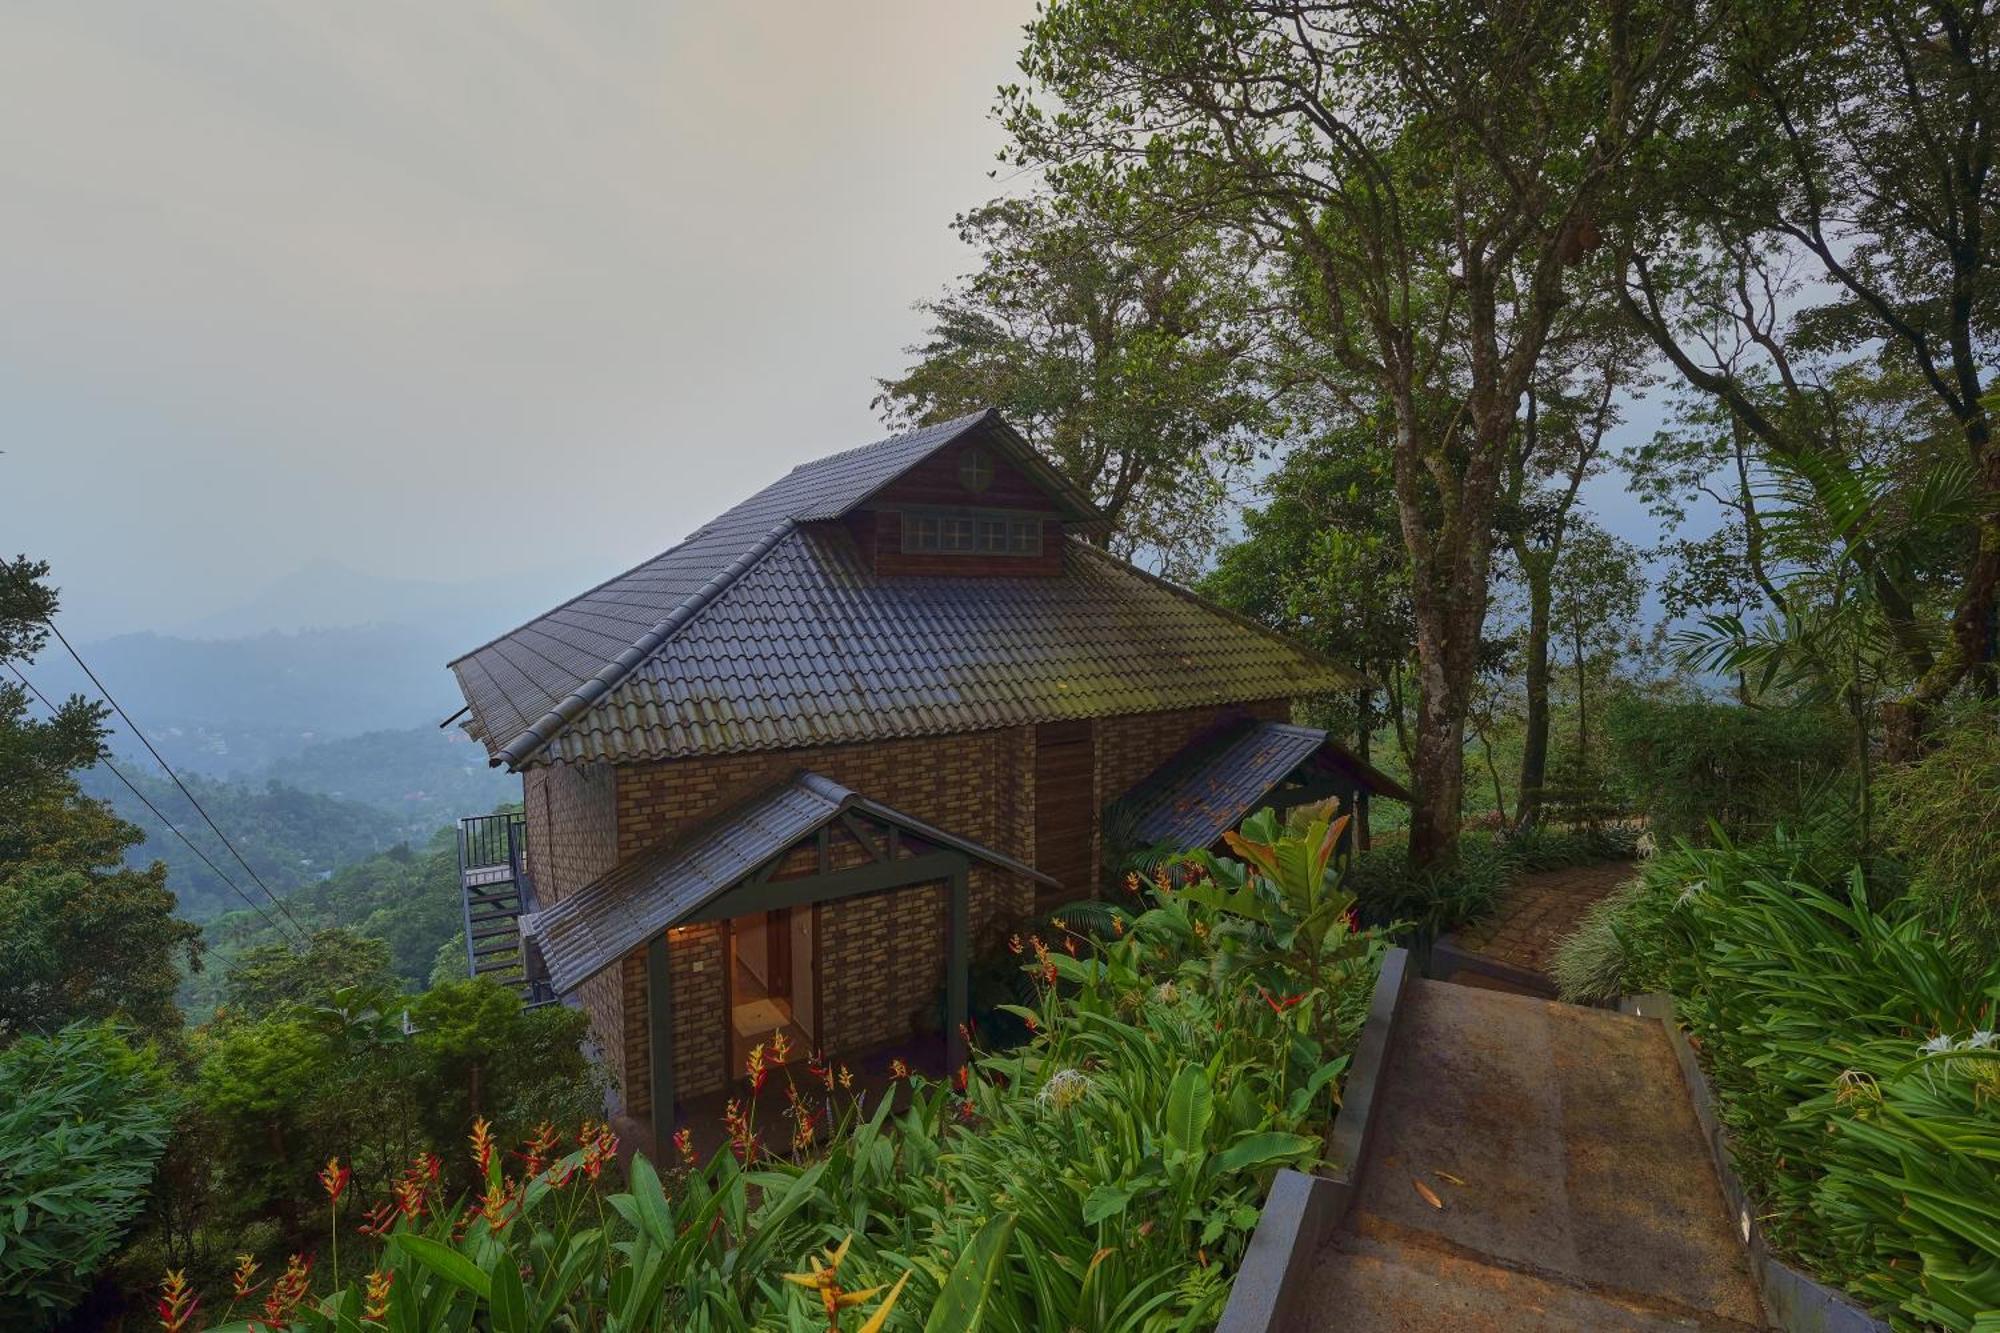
point(1830, 207)
point(80, 935)
point(1560, 445)
point(1121, 345)
point(1596, 590)
point(1428, 176)
point(1323, 561)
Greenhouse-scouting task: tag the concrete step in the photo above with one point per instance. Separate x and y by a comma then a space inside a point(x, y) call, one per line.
point(1563, 1148)
point(1384, 1280)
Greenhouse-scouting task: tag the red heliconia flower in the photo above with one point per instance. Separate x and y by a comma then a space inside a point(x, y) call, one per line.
point(333, 1178)
point(482, 1145)
point(1353, 920)
point(967, 1033)
point(1277, 1005)
point(535, 1153)
point(1033, 1026)
point(287, 1292)
point(1069, 945)
point(242, 1282)
point(1049, 973)
point(377, 1220)
point(684, 1145)
point(898, 1071)
point(961, 1077)
point(1014, 943)
point(376, 1306)
point(967, 1112)
point(178, 1303)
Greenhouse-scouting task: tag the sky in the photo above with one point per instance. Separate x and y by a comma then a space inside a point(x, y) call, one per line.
point(446, 291)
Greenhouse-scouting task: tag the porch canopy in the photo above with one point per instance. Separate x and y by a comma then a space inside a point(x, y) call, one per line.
point(805, 840)
point(1214, 781)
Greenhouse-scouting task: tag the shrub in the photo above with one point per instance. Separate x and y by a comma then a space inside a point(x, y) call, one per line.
point(1106, 1174)
point(1431, 900)
point(1695, 765)
point(343, 1077)
point(84, 1118)
point(1853, 1054)
point(1945, 823)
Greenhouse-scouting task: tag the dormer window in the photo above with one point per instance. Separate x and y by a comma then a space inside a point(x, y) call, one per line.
point(975, 469)
point(972, 532)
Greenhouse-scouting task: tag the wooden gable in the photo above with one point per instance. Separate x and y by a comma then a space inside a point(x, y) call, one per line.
point(971, 481)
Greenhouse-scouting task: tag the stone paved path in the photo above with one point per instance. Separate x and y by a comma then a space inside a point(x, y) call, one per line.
point(1576, 1191)
point(1534, 913)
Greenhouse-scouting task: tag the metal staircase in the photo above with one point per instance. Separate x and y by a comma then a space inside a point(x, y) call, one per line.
point(493, 880)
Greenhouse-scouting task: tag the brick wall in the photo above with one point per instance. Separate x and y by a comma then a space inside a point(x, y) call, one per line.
point(572, 817)
point(881, 956)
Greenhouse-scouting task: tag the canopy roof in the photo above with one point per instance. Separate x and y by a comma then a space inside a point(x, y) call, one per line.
point(689, 878)
point(1212, 783)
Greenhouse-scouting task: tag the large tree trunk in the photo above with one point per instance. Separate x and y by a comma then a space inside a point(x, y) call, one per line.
point(1535, 745)
point(1437, 770)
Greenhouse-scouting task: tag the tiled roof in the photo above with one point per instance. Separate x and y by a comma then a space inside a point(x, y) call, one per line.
point(1211, 784)
point(759, 632)
point(671, 882)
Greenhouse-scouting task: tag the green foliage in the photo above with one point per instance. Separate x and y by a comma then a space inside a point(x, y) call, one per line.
point(1691, 764)
point(1945, 826)
point(1107, 1174)
point(80, 938)
point(291, 1082)
point(293, 838)
point(1431, 900)
point(268, 977)
point(1852, 1052)
point(81, 944)
point(84, 1118)
point(406, 898)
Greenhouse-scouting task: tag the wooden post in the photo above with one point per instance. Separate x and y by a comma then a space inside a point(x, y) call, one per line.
point(660, 1041)
point(955, 980)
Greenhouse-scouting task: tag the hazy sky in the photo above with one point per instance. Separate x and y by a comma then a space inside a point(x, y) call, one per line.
point(445, 290)
point(442, 290)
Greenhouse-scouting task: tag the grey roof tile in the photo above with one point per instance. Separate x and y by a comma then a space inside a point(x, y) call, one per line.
point(766, 630)
point(1212, 783)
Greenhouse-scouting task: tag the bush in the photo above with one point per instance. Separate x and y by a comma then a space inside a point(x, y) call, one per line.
point(279, 1094)
point(1107, 1174)
point(1432, 900)
point(84, 1118)
point(1853, 1054)
point(1945, 822)
point(1692, 765)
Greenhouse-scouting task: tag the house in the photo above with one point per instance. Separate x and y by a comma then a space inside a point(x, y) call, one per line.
point(789, 774)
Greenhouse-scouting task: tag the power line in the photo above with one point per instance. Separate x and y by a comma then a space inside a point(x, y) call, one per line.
point(162, 760)
point(145, 800)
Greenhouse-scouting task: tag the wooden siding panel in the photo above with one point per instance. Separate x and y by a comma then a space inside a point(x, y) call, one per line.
point(1066, 810)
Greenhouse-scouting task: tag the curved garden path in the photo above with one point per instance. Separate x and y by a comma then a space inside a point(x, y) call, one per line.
point(1538, 1166)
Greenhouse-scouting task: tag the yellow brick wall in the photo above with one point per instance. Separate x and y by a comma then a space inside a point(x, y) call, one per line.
point(572, 818)
point(881, 956)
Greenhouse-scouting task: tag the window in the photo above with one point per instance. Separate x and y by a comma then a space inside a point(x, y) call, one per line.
point(971, 534)
point(975, 469)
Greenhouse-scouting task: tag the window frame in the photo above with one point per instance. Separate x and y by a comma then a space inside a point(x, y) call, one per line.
point(1009, 534)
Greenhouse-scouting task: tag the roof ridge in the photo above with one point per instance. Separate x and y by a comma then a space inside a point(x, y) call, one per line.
point(601, 682)
point(899, 438)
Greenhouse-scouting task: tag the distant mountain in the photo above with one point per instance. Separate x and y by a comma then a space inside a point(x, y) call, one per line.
point(324, 653)
point(329, 595)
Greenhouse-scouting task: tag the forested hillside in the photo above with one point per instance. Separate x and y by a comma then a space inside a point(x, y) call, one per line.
point(289, 837)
